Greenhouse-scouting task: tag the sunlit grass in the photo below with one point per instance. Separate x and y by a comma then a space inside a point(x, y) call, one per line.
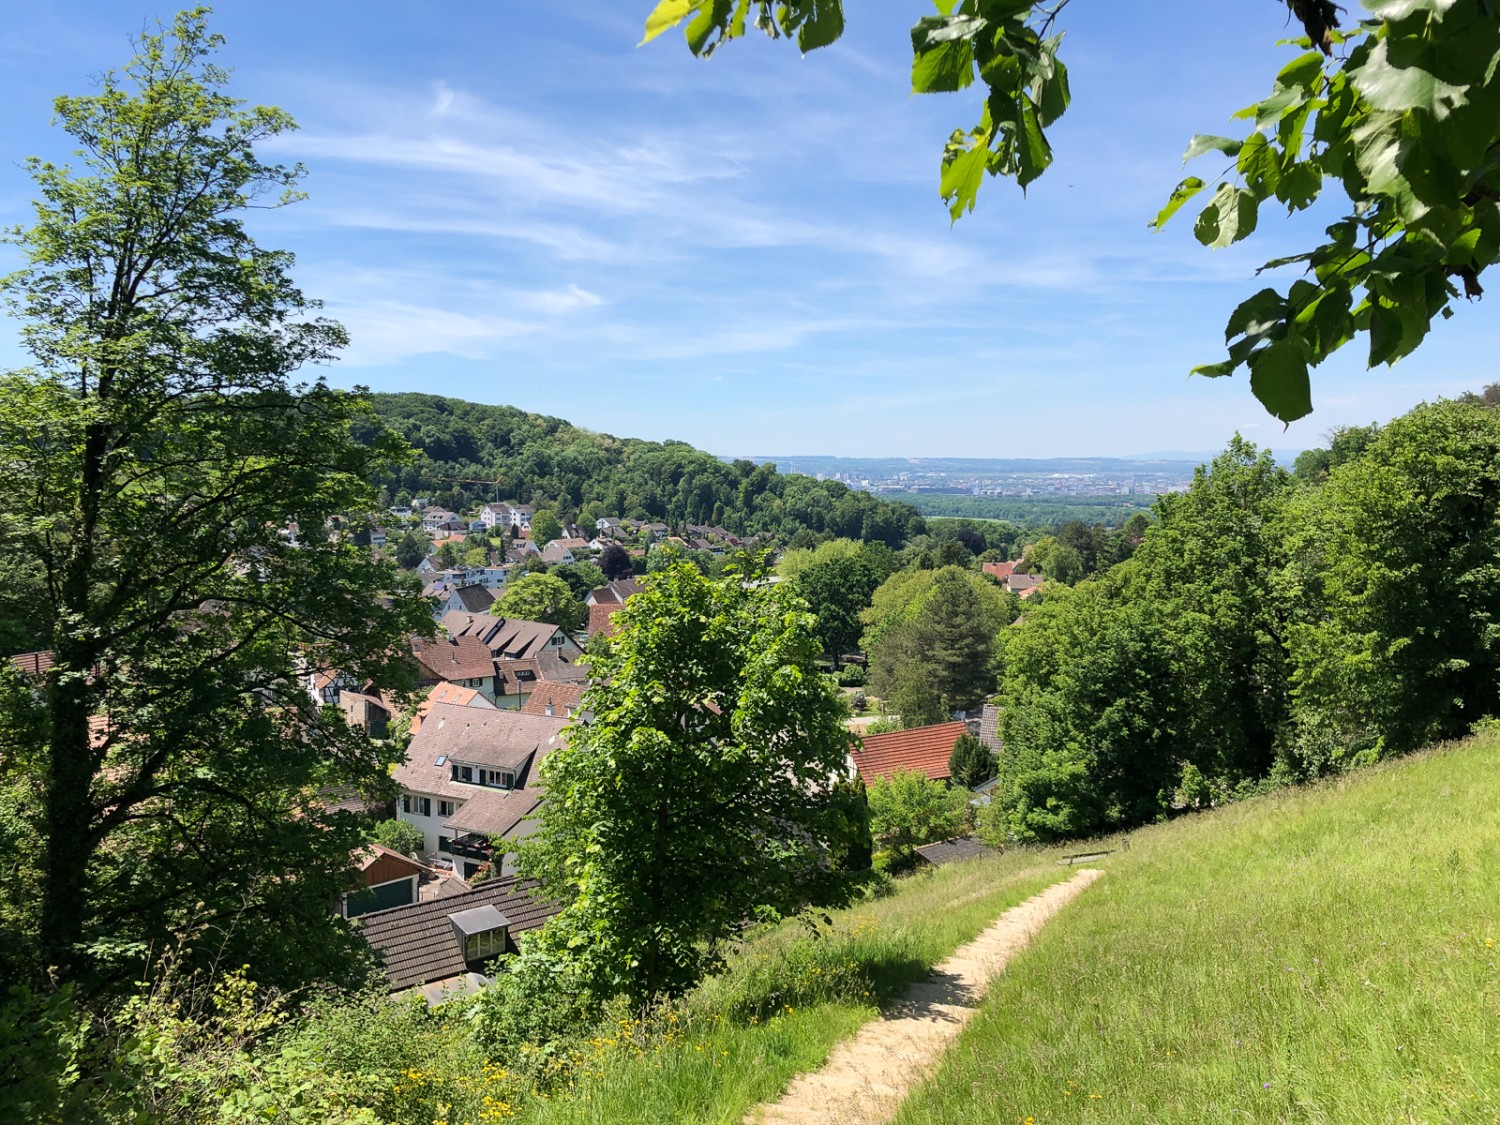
point(787, 999)
point(1323, 955)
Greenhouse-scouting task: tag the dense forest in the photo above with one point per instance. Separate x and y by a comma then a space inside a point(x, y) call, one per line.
point(1271, 627)
point(470, 453)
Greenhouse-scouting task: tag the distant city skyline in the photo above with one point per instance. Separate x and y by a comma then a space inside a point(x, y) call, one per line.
point(516, 204)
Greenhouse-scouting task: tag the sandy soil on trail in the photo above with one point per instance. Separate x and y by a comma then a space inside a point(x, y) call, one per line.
point(866, 1077)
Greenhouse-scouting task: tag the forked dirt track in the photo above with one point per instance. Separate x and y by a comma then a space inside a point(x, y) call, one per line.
point(865, 1079)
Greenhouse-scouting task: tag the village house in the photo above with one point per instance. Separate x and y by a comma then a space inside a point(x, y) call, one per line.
point(556, 700)
point(464, 661)
point(509, 638)
point(920, 748)
point(614, 593)
point(443, 947)
point(438, 520)
point(449, 693)
point(564, 551)
point(469, 775)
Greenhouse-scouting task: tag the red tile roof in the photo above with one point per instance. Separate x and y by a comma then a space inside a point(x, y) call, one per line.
point(921, 748)
point(1001, 570)
point(564, 699)
point(461, 658)
point(600, 619)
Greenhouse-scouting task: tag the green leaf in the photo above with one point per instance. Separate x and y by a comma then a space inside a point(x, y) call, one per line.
point(1392, 79)
point(1229, 217)
point(1202, 143)
point(1052, 95)
point(1216, 370)
point(944, 68)
point(1180, 195)
point(1303, 71)
point(1278, 378)
point(961, 178)
point(1387, 334)
point(824, 25)
point(1255, 314)
point(1260, 164)
point(1033, 153)
point(1300, 185)
point(666, 14)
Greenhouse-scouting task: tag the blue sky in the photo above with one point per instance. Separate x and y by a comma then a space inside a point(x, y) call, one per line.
point(515, 204)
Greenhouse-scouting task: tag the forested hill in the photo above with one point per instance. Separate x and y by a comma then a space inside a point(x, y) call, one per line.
point(471, 453)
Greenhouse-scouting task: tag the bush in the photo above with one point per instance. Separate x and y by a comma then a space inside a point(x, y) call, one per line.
point(852, 675)
point(399, 836)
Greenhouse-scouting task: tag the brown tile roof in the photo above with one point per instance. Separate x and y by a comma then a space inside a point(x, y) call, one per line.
point(461, 658)
point(601, 618)
point(921, 748)
point(494, 812)
point(417, 944)
point(497, 738)
point(1001, 570)
point(507, 638)
point(519, 677)
point(563, 698)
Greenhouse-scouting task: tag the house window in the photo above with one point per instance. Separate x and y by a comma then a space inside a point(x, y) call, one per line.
point(416, 806)
point(445, 808)
point(499, 779)
point(463, 773)
point(558, 638)
point(484, 946)
point(445, 845)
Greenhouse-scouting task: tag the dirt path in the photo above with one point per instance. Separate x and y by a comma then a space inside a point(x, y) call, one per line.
point(866, 1078)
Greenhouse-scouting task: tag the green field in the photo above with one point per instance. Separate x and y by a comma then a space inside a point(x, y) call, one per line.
point(786, 1000)
point(1321, 955)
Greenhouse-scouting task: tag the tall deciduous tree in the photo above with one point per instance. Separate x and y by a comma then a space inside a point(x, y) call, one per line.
point(701, 793)
point(545, 527)
point(1404, 118)
point(1395, 639)
point(177, 488)
point(908, 809)
point(541, 597)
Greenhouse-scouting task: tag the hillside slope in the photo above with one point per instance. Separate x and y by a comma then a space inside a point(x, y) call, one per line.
point(472, 452)
point(1322, 955)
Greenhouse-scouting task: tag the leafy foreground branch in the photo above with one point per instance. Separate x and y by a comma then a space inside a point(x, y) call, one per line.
point(1401, 111)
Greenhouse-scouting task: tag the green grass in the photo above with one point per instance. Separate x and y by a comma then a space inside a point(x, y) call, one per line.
point(787, 998)
point(1321, 955)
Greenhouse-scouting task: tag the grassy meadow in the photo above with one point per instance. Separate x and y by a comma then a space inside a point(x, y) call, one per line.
point(1329, 954)
point(787, 998)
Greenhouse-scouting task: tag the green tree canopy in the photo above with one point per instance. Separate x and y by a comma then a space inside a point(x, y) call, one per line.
point(545, 527)
point(1404, 118)
point(907, 810)
point(938, 625)
point(701, 793)
point(541, 597)
point(180, 491)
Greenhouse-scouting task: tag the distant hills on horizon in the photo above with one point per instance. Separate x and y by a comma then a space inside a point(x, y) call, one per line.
point(813, 464)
